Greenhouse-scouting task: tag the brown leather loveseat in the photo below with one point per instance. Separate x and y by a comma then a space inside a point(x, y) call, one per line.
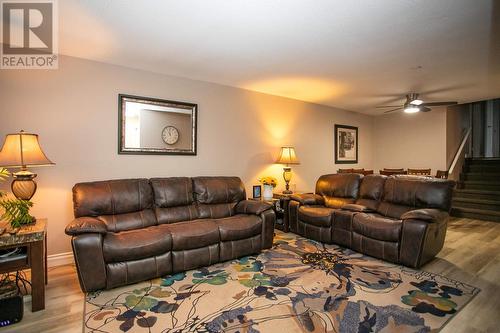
point(132, 230)
point(401, 219)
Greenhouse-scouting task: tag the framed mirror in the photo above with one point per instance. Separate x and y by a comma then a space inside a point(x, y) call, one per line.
point(156, 126)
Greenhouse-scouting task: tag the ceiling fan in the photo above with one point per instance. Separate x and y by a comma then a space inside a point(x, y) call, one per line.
point(414, 104)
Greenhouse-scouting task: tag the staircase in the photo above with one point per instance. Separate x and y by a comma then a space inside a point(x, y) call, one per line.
point(478, 192)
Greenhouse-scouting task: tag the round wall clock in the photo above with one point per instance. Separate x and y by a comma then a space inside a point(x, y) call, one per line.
point(170, 135)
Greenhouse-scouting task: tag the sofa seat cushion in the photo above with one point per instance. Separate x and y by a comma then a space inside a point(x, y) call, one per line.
point(239, 226)
point(193, 234)
point(378, 227)
point(319, 216)
point(136, 244)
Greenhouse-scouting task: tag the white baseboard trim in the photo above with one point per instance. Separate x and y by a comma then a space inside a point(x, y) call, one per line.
point(60, 259)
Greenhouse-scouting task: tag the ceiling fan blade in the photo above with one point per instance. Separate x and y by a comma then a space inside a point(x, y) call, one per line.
point(388, 106)
point(438, 103)
point(393, 110)
point(425, 109)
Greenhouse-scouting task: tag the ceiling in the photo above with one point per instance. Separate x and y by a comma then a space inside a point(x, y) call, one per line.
point(353, 54)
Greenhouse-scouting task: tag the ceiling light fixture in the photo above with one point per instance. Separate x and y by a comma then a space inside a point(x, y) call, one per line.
point(416, 102)
point(411, 109)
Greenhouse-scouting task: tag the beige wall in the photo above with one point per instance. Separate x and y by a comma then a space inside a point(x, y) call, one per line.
point(410, 140)
point(74, 110)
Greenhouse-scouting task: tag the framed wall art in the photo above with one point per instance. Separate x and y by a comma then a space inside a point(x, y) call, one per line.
point(346, 144)
point(156, 126)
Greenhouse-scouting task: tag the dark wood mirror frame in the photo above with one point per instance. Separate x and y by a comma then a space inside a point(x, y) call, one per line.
point(157, 103)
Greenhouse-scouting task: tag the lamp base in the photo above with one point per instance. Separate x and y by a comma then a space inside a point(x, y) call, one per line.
point(23, 186)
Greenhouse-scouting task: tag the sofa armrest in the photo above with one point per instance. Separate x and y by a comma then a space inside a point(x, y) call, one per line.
point(252, 207)
point(89, 260)
point(268, 220)
point(308, 199)
point(84, 225)
point(422, 236)
point(428, 214)
point(357, 208)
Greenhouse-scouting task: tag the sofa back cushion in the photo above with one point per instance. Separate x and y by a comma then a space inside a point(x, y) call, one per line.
point(122, 204)
point(174, 199)
point(338, 189)
point(216, 197)
point(371, 191)
point(405, 193)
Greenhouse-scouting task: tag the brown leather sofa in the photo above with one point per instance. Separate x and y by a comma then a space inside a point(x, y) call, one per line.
point(401, 219)
point(132, 230)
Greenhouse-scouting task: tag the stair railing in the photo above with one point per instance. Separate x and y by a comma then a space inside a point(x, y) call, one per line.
point(459, 159)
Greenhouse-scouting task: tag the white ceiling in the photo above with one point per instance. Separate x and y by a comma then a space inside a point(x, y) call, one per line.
point(353, 54)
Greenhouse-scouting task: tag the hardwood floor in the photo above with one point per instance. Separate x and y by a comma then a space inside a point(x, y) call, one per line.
point(471, 254)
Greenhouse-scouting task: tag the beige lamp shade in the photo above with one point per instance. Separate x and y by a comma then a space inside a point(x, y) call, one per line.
point(21, 150)
point(288, 156)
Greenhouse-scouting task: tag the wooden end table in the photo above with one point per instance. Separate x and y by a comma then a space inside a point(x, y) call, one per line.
point(284, 201)
point(33, 237)
point(280, 203)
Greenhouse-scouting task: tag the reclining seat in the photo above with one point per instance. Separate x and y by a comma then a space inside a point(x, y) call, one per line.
point(115, 238)
point(370, 196)
point(244, 226)
point(409, 225)
point(311, 215)
point(195, 241)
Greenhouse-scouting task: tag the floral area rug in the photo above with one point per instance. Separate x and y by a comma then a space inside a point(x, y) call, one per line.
point(297, 286)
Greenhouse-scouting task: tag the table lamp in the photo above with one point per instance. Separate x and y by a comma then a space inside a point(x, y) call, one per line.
point(287, 157)
point(22, 150)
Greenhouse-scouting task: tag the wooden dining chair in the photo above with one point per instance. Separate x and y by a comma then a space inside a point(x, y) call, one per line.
point(345, 171)
point(391, 173)
point(394, 170)
point(443, 174)
point(419, 172)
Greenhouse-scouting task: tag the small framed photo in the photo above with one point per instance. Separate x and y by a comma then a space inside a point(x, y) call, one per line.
point(346, 144)
point(257, 191)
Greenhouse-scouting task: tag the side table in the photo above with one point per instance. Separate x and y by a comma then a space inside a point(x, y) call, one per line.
point(280, 203)
point(33, 238)
point(284, 201)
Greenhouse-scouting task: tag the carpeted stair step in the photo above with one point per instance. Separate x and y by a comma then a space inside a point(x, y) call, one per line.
point(483, 161)
point(483, 204)
point(478, 176)
point(479, 214)
point(482, 168)
point(476, 194)
point(480, 185)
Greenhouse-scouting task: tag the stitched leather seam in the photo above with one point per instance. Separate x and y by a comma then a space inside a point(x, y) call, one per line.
point(183, 261)
point(422, 244)
point(142, 218)
point(77, 262)
point(383, 250)
point(139, 194)
point(165, 186)
point(126, 272)
point(112, 199)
